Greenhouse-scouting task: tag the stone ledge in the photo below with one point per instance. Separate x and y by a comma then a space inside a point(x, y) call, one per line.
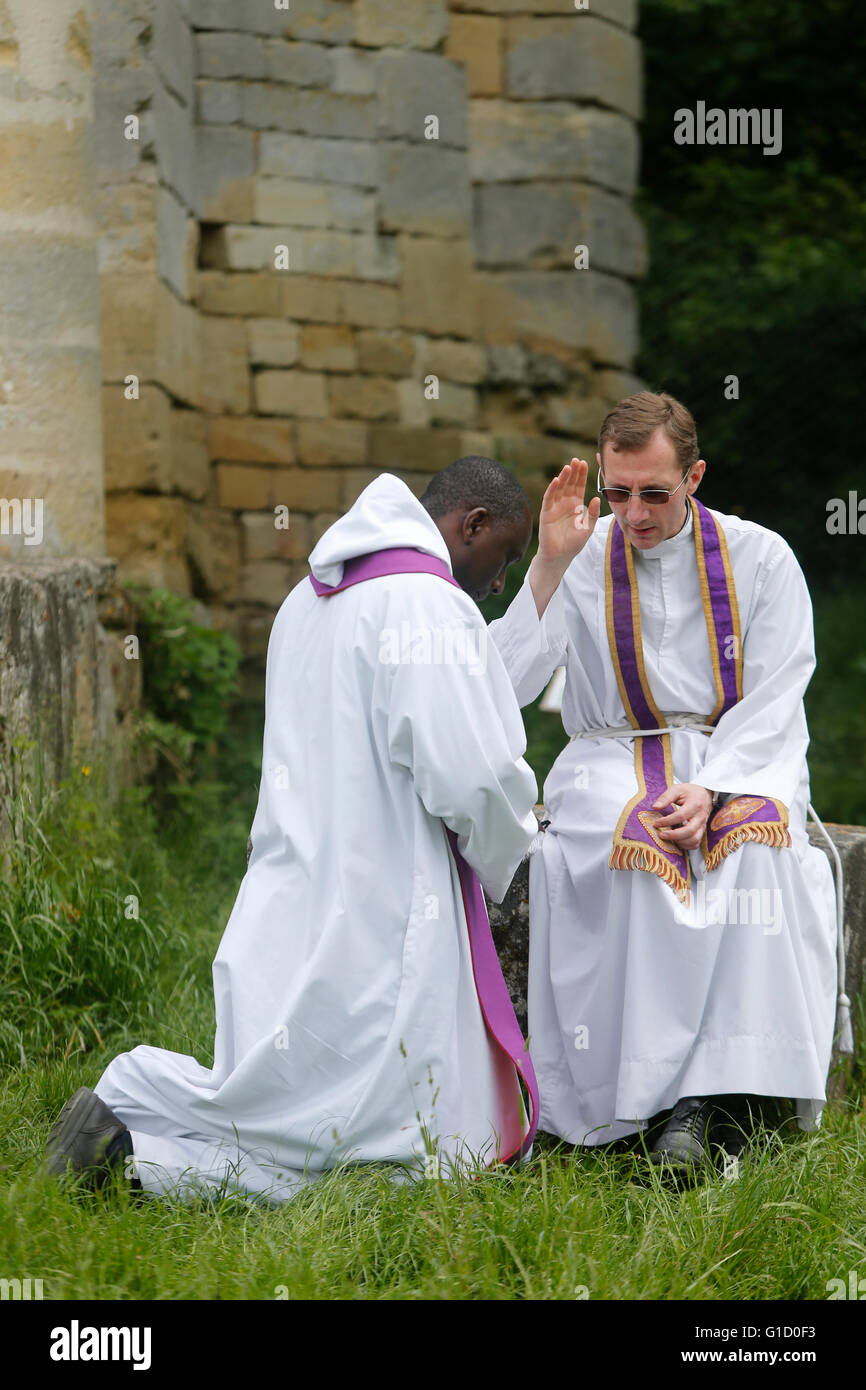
point(56, 658)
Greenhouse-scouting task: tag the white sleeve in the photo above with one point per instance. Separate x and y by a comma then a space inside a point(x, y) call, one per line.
point(759, 746)
point(531, 647)
point(456, 726)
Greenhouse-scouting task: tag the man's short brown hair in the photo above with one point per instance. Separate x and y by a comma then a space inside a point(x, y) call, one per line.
point(633, 421)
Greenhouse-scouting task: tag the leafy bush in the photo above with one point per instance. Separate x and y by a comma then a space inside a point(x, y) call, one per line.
point(189, 679)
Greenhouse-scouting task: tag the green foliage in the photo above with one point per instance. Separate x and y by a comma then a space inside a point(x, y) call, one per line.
point(190, 677)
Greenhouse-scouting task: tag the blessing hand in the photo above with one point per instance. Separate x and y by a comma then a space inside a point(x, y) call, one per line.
point(565, 524)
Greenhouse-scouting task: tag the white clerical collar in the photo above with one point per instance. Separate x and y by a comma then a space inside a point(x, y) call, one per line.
point(669, 547)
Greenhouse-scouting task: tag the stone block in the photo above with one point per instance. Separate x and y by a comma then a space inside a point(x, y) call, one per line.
point(310, 298)
point(476, 41)
point(389, 354)
point(370, 306)
point(253, 630)
point(147, 331)
point(340, 442)
point(213, 551)
point(511, 141)
point(319, 21)
point(451, 360)
point(146, 535)
point(189, 463)
point(263, 540)
point(224, 374)
point(178, 244)
point(301, 64)
point(258, 293)
point(272, 342)
point(576, 309)
point(538, 225)
point(437, 293)
point(356, 255)
point(224, 54)
point(381, 23)
point(218, 103)
point(534, 453)
point(250, 439)
point(622, 12)
point(266, 106)
point(328, 348)
point(175, 143)
point(575, 416)
point(265, 581)
point(395, 447)
point(326, 161)
point(455, 405)
point(291, 393)
point(248, 488)
point(415, 408)
point(299, 203)
point(613, 386)
point(127, 215)
point(321, 522)
point(579, 59)
point(136, 439)
point(224, 164)
point(172, 50)
point(370, 397)
point(424, 189)
point(355, 72)
point(414, 86)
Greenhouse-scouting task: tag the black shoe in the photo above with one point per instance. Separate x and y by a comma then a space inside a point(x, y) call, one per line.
point(685, 1145)
point(89, 1141)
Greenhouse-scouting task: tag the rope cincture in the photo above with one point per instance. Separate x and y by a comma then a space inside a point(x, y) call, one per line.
point(843, 1036)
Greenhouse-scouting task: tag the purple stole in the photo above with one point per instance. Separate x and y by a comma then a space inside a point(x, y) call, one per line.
point(636, 844)
point(493, 997)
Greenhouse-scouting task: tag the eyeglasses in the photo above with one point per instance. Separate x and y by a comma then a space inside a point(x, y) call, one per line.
point(654, 496)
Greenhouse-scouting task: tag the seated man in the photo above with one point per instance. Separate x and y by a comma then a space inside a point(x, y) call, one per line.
point(682, 928)
point(360, 1011)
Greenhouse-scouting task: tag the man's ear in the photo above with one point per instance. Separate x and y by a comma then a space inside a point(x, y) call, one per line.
point(473, 522)
point(693, 487)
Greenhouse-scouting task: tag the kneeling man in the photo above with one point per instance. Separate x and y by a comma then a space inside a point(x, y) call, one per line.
point(360, 1011)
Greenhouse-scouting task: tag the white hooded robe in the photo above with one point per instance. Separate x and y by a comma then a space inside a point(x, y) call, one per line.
point(347, 1020)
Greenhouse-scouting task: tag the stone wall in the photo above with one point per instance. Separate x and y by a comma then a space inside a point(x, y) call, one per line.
point(51, 485)
point(409, 258)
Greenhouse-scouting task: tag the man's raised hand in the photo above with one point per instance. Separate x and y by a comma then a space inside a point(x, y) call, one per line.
point(565, 523)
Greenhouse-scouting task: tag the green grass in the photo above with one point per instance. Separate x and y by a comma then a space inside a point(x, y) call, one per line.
point(568, 1225)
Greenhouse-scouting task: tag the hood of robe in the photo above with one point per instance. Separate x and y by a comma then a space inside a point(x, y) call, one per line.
point(387, 515)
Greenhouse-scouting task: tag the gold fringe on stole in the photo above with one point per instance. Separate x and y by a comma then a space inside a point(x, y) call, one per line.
point(628, 854)
point(764, 832)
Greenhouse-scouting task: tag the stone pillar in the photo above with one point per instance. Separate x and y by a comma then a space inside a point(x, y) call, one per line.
point(51, 485)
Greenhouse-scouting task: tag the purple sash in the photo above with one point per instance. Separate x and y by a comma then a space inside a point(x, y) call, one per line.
point(493, 997)
point(636, 844)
